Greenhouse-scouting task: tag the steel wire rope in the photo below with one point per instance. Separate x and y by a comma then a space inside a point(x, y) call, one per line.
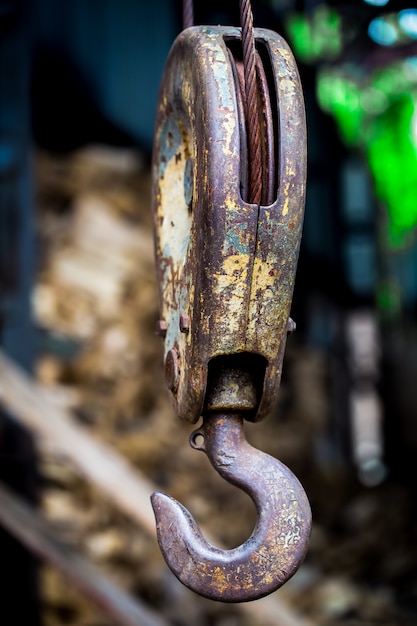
point(251, 93)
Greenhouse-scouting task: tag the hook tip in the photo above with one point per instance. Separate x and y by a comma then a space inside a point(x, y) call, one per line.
point(174, 523)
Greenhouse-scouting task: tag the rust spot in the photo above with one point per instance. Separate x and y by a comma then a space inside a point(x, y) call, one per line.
point(184, 135)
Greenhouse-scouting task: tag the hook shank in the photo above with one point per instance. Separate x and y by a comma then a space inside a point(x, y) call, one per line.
point(278, 543)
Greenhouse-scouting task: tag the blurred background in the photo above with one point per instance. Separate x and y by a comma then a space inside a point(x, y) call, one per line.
point(78, 305)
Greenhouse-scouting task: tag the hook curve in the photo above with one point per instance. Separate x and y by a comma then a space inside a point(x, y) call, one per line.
point(278, 543)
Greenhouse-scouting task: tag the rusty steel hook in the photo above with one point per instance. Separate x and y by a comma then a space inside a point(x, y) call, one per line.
point(279, 540)
point(226, 268)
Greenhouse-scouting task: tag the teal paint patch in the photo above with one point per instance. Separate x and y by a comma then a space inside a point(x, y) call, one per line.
point(185, 245)
point(235, 241)
point(170, 140)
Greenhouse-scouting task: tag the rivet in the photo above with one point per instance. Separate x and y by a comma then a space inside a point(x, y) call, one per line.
point(172, 370)
point(291, 325)
point(184, 323)
point(161, 328)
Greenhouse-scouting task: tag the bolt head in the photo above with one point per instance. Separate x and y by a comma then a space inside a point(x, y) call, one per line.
point(161, 328)
point(172, 370)
point(184, 323)
point(291, 325)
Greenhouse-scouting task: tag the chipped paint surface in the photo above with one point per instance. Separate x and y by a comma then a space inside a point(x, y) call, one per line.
point(227, 265)
point(176, 224)
point(286, 199)
point(232, 277)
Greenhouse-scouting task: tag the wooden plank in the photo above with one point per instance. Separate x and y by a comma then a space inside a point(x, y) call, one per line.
point(99, 463)
point(34, 532)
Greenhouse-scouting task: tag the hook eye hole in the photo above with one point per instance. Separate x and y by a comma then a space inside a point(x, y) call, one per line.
point(197, 440)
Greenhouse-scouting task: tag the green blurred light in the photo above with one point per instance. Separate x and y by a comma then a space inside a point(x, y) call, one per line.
point(300, 33)
point(393, 80)
point(315, 37)
point(378, 114)
point(327, 31)
point(342, 98)
point(388, 297)
point(374, 101)
point(392, 158)
point(410, 68)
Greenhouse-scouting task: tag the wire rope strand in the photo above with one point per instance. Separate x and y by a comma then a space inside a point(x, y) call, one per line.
point(252, 102)
point(187, 13)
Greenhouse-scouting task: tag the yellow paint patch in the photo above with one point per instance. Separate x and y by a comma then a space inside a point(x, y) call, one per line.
point(288, 86)
point(287, 199)
point(231, 287)
point(234, 269)
point(220, 580)
point(229, 128)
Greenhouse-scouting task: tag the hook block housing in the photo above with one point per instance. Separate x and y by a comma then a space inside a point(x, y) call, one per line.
point(225, 266)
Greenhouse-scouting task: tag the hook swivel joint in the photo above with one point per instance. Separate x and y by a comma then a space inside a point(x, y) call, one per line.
point(226, 271)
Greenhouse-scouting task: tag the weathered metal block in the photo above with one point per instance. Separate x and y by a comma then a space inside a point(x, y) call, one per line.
point(225, 266)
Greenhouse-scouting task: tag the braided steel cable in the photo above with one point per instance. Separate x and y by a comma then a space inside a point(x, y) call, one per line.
point(251, 94)
point(252, 102)
point(187, 13)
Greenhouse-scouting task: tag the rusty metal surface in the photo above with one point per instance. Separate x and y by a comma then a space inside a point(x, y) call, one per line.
point(222, 262)
point(232, 387)
point(279, 541)
point(238, 78)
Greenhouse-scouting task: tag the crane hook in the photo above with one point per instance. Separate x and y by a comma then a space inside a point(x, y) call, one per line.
point(278, 543)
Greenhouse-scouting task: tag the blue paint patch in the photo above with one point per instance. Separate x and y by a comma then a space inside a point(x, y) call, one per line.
point(235, 239)
point(185, 244)
point(170, 139)
point(166, 252)
point(188, 182)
